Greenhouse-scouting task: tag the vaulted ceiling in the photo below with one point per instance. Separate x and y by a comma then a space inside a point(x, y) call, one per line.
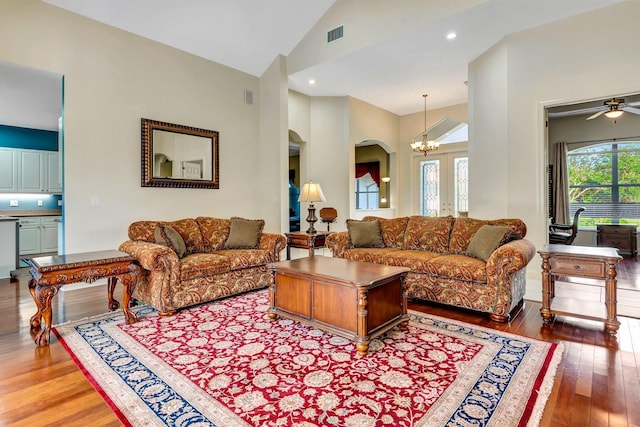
point(390, 54)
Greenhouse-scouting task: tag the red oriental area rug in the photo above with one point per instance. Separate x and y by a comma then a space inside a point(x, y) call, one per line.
point(226, 364)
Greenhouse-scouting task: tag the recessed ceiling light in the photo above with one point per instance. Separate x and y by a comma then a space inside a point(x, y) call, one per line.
point(312, 81)
point(451, 36)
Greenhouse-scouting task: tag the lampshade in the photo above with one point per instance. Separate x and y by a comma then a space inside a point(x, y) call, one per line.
point(614, 113)
point(311, 192)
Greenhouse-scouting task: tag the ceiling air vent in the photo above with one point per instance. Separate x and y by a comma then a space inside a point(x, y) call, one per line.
point(335, 34)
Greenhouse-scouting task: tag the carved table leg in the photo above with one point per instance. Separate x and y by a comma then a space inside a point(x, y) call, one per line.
point(405, 323)
point(362, 343)
point(111, 284)
point(272, 293)
point(36, 318)
point(547, 290)
point(611, 324)
point(129, 281)
point(44, 295)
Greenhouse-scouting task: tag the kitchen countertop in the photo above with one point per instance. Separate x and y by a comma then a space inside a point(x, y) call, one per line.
point(32, 212)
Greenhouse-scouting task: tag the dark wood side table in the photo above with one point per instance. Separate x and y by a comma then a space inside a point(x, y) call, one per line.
point(302, 240)
point(624, 237)
point(50, 273)
point(580, 261)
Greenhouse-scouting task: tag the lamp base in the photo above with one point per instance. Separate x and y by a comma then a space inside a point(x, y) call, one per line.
point(311, 219)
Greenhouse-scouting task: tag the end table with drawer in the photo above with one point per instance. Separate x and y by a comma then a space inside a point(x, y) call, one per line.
point(580, 261)
point(302, 240)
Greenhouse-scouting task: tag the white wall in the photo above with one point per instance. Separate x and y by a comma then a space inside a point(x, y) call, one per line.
point(559, 63)
point(114, 78)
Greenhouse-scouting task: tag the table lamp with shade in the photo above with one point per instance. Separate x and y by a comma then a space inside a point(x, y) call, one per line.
point(311, 192)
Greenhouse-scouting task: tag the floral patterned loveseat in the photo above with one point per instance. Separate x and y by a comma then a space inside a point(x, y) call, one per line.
point(207, 270)
point(436, 250)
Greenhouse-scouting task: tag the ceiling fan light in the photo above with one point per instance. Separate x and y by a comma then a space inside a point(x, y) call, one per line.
point(614, 114)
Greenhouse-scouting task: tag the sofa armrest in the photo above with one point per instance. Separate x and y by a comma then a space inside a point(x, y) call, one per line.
point(151, 256)
point(338, 242)
point(274, 244)
point(512, 256)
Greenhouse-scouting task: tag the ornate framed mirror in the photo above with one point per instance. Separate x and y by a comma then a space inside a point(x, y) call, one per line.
point(177, 156)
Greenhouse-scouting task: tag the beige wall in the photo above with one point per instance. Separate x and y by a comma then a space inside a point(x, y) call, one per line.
point(509, 87)
point(114, 78)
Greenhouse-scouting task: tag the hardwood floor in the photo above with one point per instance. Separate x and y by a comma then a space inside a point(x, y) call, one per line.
point(597, 383)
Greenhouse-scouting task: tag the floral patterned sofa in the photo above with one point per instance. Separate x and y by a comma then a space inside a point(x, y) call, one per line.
point(208, 270)
point(436, 250)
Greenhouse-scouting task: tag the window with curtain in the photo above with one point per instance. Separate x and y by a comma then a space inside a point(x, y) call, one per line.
point(367, 185)
point(605, 180)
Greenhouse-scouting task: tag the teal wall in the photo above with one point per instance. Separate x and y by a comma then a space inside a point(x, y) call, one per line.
point(35, 139)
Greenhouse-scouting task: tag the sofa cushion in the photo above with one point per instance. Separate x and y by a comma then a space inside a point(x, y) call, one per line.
point(199, 265)
point(487, 239)
point(245, 258)
point(458, 267)
point(461, 233)
point(167, 236)
point(428, 233)
point(392, 230)
point(244, 233)
point(214, 232)
point(365, 234)
point(190, 233)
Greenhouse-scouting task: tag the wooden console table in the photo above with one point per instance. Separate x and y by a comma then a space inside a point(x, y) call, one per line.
point(50, 273)
point(580, 261)
point(302, 240)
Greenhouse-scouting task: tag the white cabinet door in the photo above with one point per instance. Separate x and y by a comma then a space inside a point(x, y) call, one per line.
point(52, 168)
point(29, 236)
point(31, 171)
point(49, 236)
point(8, 169)
point(38, 234)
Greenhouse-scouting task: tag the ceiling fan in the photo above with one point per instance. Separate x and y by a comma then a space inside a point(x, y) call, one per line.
point(613, 108)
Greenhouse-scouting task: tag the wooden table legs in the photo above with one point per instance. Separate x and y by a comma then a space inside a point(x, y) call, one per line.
point(41, 321)
point(44, 287)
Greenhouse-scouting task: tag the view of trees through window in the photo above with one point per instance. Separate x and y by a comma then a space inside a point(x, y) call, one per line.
point(605, 180)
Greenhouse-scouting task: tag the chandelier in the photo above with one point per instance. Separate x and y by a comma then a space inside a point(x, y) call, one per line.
point(424, 145)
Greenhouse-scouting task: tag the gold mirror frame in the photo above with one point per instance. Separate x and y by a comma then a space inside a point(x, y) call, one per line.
point(154, 178)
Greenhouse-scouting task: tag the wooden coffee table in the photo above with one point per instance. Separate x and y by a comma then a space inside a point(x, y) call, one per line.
point(49, 273)
point(353, 299)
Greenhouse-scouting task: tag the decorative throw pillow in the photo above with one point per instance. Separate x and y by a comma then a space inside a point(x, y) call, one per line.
point(167, 236)
point(365, 234)
point(244, 233)
point(486, 240)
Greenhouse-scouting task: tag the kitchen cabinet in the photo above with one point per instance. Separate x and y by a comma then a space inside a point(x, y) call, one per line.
point(8, 258)
point(53, 177)
point(8, 169)
point(38, 234)
point(29, 171)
